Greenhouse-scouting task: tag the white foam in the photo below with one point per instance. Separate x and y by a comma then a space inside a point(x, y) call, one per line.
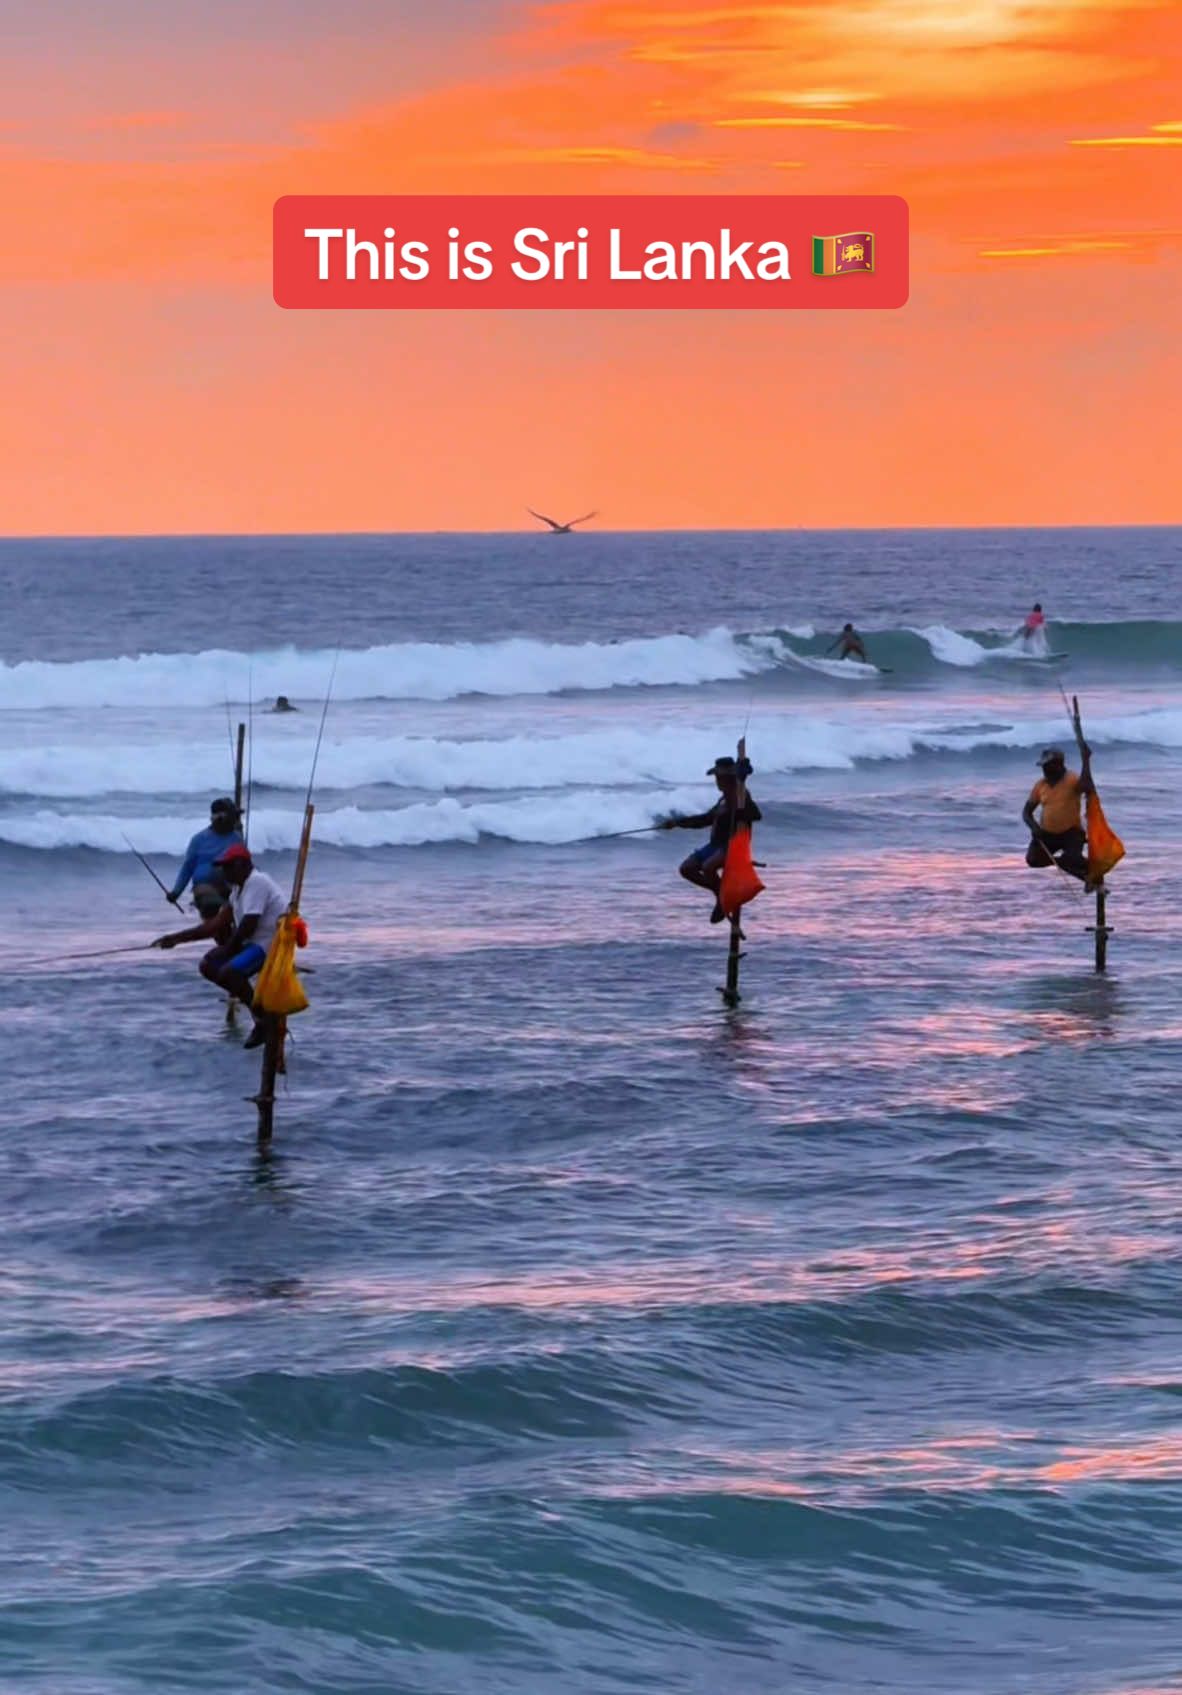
point(400, 671)
point(952, 648)
point(552, 820)
point(614, 758)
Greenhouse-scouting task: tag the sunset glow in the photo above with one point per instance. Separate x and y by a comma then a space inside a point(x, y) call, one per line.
point(156, 387)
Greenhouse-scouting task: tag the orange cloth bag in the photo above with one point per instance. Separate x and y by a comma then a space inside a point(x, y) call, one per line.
point(740, 880)
point(1105, 848)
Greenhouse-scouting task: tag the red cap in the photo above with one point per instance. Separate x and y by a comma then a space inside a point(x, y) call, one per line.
point(233, 854)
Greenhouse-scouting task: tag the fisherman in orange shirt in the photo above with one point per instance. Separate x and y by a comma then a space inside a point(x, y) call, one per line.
point(1059, 838)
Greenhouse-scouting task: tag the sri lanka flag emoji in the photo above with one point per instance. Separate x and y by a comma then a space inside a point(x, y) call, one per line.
point(835, 255)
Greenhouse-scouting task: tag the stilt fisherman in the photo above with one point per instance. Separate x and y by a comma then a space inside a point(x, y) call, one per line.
point(210, 888)
point(243, 929)
point(729, 813)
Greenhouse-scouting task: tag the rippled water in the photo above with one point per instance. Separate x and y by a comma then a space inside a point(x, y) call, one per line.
point(577, 1335)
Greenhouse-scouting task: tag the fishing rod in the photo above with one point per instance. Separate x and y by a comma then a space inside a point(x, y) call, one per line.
point(323, 719)
point(250, 751)
point(614, 835)
point(97, 953)
point(167, 893)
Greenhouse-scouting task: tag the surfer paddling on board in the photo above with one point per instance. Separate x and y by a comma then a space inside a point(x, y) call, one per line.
point(704, 865)
point(850, 643)
point(1059, 838)
point(243, 928)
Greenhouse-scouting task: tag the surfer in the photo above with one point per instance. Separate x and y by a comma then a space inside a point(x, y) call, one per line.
point(1059, 838)
point(1034, 627)
point(243, 928)
point(282, 704)
point(201, 857)
point(851, 645)
point(704, 866)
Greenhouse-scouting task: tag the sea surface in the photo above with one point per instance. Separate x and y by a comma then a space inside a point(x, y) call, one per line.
point(578, 1336)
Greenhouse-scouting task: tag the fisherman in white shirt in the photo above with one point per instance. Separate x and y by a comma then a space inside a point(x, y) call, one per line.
point(245, 928)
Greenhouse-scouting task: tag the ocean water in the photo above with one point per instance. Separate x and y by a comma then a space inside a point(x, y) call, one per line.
point(578, 1336)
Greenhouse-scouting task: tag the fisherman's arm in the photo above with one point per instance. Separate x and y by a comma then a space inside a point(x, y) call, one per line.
point(1028, 818)
point(699, 821)
point(245, 930)
point(217, 926)
point(183, 875)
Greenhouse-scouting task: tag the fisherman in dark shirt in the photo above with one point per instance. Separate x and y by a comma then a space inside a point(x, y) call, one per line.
point(704, 865)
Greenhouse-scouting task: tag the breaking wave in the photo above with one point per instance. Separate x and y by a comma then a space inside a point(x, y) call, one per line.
point(401, 671)
point(448, 671)
point(614, 758)
point(552, 820)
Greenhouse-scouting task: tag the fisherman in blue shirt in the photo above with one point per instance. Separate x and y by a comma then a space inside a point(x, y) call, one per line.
point(210, 889)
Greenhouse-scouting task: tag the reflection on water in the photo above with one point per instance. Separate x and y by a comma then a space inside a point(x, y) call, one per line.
point(1076, 1009)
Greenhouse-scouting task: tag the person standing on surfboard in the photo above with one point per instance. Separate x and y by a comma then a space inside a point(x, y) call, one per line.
point(1059, 838)
point(851, 645)
point(704, 866)
point(1035, 627)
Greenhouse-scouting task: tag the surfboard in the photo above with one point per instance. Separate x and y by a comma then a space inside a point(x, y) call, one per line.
point(845, 670)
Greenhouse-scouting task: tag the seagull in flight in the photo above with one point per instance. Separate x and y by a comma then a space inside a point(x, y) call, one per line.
point(555, 527)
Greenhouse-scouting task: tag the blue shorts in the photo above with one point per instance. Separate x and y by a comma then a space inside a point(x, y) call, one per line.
point(702, 856)
point(248, 961)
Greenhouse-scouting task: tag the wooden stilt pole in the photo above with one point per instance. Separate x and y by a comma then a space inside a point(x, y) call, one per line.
point(274, 1048)
point(272, 1067)
point(239, 756)
point(1101, 929)
point(730, 995)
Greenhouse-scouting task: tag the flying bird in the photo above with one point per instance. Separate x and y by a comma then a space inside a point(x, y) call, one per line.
point(557, 528)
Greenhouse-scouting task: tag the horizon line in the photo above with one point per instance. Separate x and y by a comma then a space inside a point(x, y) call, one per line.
point(708, 530)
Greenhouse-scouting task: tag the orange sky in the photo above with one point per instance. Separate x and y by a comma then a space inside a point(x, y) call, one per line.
point(152, 385)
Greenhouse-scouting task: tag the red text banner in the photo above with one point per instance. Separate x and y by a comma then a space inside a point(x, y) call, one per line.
point(591, 252)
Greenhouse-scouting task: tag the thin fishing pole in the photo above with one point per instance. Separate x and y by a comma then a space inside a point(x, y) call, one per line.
point(614, 835)
point(230, 737)
point(250, 749)
point(97, 953)
point(165, 892)
point(320, 733)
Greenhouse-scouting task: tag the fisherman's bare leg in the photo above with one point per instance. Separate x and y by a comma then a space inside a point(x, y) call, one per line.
point(707, 875)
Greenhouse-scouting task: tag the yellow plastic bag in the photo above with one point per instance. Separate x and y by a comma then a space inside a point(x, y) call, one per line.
point(1105, 848)
point(279, 989)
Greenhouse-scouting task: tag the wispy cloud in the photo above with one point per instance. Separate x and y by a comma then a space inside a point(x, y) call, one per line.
point(1159, 135)
point(777, 122)
point(636, 158)
point(1099, 244)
